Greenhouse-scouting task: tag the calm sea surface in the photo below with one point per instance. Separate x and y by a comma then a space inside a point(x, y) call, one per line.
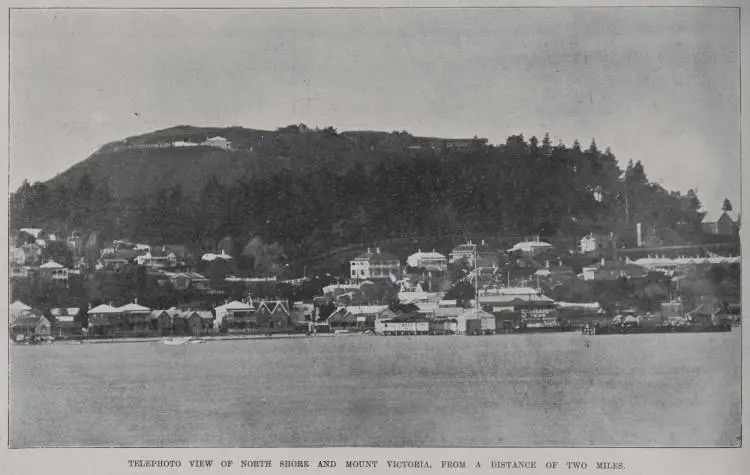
point(504, 390)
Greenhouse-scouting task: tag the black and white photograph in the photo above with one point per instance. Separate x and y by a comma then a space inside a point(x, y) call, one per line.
point(374, 228)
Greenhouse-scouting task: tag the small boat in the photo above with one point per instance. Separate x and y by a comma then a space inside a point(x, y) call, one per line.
point(175, 341)
point(197, 340)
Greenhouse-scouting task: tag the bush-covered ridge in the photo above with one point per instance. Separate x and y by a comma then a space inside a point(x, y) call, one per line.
point(324, 189)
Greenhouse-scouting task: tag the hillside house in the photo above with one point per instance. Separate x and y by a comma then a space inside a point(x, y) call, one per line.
point(32, 233)
point(210, 257)
point(531, 247)
point(555, 273)
point(117, 259)
point(54, 271)
point(613, 271)
point(182, 143)
point(189, 280)
point(218, 142)
point(17, 261)
point(16, 256)
point(671, 265)
point(374, 263)
point(157, 259)
point(430, 261)
point(594, 243)
point(463, 251)
point(181, 252)
point(33, 254)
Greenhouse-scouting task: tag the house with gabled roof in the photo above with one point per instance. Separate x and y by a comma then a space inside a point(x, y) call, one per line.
point(218, 142)
point(272, 314)
point(200, 322)
point(235, 315)
point(431, 261)
point(161, 322)
point(117, 258)
point(156, 258)
point(53, 270)
point(104, 320)
point(375, 263)
point(29, 323)
point(722, 225)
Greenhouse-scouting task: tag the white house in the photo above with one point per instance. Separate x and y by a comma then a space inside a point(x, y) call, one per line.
point(431, 261)
point(374, 263)
point(210, 257)
point(54, 271)
point(181, 143)
point(531, 247)
point(595, 242)
point(157, 258)
point(464, 251)
point(218, 142)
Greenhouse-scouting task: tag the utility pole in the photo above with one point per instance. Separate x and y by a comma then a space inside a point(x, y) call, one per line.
point(476, 280)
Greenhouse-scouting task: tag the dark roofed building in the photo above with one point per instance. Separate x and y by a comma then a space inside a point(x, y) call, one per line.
point(723, 226)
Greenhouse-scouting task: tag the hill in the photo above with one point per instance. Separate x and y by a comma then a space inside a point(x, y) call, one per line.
point(313, 191)
point(145, 163)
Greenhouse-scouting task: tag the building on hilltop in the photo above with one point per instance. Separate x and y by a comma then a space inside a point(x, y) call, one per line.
point(218, 142)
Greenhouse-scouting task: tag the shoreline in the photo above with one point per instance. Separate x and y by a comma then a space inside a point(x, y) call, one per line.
point(215, 338)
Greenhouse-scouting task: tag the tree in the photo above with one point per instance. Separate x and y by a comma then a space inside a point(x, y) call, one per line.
point(59, 252)
point(727, 206)
point(461, 291)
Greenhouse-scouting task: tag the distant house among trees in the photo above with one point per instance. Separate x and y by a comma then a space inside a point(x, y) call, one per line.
point(593, 243)
point(218, 142)
point(724, 225)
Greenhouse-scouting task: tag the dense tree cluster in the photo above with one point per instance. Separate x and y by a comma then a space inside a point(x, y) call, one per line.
point(518, 188)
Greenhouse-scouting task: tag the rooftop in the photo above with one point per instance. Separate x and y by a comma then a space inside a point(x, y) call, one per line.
point(376, 254)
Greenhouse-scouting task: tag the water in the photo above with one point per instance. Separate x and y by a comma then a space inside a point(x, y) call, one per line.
point(425, 391)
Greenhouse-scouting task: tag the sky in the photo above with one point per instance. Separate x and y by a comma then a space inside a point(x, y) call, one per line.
point(660, 85)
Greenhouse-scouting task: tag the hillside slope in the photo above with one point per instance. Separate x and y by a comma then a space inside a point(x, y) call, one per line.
point(133, 166)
